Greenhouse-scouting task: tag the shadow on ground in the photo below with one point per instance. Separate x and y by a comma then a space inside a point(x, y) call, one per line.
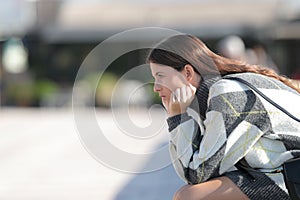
point(157, 185)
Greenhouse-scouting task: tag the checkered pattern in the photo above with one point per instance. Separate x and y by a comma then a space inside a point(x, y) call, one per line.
point(235, 123)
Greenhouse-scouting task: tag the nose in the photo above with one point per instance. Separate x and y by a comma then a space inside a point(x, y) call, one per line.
point(157, 87)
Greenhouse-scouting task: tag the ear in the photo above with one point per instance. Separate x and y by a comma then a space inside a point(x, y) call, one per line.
point(189, 72)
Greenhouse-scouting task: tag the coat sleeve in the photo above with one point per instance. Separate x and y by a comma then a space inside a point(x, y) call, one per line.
point(205, 150)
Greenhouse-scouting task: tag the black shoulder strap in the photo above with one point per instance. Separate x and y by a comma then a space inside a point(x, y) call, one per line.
point(264, 96)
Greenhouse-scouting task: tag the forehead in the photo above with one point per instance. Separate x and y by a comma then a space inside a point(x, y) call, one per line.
point(155, 68)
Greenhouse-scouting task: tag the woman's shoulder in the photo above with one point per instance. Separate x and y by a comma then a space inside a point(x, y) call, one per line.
point(257, 80)
point(224, 85)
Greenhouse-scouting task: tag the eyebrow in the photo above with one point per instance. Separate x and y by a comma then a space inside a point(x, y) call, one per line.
point(157, 73)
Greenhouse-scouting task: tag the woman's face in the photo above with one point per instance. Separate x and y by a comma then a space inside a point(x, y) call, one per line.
point(167, 79)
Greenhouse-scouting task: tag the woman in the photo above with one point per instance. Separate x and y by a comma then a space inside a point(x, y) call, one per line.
point(236, 148)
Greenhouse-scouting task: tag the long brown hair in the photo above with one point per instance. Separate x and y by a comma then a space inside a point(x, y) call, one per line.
point(179, 50)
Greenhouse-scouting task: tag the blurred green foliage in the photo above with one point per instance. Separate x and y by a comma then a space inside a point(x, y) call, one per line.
point(44, 88)
point(29, 93)
point(104, 87)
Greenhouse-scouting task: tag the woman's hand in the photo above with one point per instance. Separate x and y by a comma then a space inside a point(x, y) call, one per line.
point(180, 100)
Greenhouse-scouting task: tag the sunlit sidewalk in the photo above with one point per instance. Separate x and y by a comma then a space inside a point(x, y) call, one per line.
point(42, 157)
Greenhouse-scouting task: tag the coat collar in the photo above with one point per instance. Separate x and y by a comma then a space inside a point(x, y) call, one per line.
point(199, 104)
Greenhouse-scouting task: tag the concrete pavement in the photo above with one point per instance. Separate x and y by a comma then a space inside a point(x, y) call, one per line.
point(42, 157)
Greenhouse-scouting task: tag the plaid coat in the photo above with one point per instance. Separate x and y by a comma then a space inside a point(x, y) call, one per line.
point(233, 124)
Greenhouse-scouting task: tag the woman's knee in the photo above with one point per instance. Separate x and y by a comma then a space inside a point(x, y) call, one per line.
point(218, 188)
point(183, 193)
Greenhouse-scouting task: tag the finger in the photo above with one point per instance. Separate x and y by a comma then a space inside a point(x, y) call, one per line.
point(193, 88)
point(189, 92)
point(184, 93)
point(173, 97)
point(177, 93)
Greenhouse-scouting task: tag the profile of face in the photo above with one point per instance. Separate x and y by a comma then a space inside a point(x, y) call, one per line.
point(167, 80)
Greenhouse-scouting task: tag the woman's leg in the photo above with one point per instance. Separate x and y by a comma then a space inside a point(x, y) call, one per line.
point(218, 188)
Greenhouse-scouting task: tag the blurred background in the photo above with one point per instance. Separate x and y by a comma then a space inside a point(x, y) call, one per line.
point(42, 46)
point(44, 42)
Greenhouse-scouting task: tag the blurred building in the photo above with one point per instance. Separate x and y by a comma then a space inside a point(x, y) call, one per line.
point(58, 35)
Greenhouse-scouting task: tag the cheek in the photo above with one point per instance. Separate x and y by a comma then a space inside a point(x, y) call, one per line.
point(177, 82)
point(169, 84)
point(172, 83)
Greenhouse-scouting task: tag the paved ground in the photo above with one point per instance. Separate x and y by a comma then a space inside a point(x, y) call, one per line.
point(42, 157)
